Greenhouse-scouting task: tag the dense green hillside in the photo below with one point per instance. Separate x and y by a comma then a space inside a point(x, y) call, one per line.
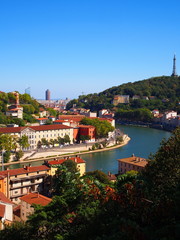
point(166, 91)
point(30, 106)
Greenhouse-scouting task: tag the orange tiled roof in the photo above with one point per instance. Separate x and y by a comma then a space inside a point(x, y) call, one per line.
point(60, 161)
point(135, 161)
point(19, 171)
point(39, 119)
point(36, 198)
point(4, 199)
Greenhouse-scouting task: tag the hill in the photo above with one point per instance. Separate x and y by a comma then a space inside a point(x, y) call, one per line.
point(164, 89)
point(30, 106)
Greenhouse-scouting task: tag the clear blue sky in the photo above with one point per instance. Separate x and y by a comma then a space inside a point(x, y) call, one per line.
point(75, 46)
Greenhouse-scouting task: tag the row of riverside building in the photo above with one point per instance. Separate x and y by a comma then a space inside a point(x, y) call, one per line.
point(66, 125)
point(22, 187)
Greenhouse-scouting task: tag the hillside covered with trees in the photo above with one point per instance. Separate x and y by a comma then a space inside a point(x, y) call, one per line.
point(165, 91)
point(30, 106)
point(143, 206)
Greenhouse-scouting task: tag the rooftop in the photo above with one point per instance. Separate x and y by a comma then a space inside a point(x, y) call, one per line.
point(36, 128)
point(138, 161)
point(36, 198)
point(60, 161)
point(19, 171)
point(4, 199)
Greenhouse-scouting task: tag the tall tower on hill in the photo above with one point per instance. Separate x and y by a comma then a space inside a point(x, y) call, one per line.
point(174, 74)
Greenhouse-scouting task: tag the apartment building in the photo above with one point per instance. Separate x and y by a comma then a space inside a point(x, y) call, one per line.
point(21, 181)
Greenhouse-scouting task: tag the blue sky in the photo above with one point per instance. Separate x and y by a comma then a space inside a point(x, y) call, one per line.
point(75, 46)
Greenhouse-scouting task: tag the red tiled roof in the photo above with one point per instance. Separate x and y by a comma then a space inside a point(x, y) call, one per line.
point(19, 171)
point(2, 210)
point(36, 128)
point(39, 119)
point(60, 161)
point(56, 121)
point(4, 199)
point(86, 126)
point(50, 127)
point(36, 198)
point(11, 129)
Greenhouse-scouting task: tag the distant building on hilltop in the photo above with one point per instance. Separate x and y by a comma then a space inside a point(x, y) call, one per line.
point(120, 99)
point(47, 95)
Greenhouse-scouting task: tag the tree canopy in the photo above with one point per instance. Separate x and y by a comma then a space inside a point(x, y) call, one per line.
point(142, 206)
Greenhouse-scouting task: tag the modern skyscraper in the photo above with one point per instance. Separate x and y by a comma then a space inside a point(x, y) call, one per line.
point(47, 95)
point(174, 74)
point(28, 91)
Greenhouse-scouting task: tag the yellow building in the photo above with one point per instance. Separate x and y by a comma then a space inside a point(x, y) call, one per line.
point(131, 163)
point(81, 164)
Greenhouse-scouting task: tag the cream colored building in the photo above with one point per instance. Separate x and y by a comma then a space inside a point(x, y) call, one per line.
point(36, 133)
point(131, 163)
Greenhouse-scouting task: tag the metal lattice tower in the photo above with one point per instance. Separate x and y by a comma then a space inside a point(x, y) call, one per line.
point(174, 74)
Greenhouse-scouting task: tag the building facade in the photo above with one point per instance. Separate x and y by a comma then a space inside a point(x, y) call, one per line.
point(131, 163)
point(21, 181)
point(28, 200)
point(36, 133)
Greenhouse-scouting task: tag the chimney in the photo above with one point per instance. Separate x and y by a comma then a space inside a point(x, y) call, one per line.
point(75, 160)
point(29, 165)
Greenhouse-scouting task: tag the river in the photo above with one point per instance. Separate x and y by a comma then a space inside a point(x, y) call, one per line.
point(143, 142)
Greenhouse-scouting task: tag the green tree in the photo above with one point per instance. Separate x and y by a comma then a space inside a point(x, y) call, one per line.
point(19, 155)
point(67, 139)
point(83, 138)
point(6, 156)
point(99, 175)
point(23, 142)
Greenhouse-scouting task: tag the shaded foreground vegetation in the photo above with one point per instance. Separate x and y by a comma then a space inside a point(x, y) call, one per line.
point(142, 206)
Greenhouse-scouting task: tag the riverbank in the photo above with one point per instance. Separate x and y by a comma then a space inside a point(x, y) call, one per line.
point(73, 151)
point(165, 127)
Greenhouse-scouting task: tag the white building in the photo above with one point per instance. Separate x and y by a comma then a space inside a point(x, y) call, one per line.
point(36, 133)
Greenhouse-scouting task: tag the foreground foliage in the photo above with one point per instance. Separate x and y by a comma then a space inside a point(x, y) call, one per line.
point(142, 206)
